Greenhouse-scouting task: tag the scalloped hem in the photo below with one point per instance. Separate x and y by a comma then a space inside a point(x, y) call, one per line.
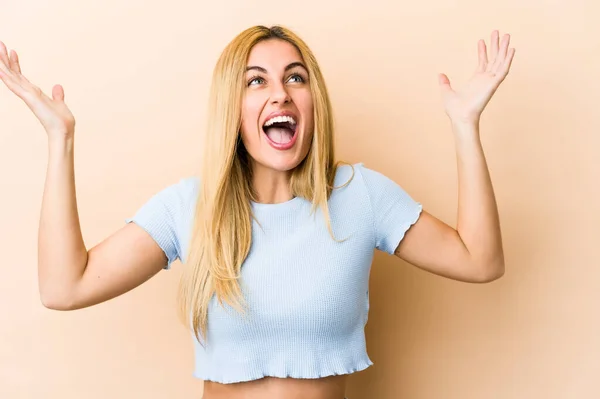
point(403, 229)
point(264, 374)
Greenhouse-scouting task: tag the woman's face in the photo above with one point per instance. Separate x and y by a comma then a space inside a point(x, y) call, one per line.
point(277, 109)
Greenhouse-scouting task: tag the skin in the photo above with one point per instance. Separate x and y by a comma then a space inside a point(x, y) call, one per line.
point(73, 277)
point(273, 88)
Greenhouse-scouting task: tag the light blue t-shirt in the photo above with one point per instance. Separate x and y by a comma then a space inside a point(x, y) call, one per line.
point(307, 295)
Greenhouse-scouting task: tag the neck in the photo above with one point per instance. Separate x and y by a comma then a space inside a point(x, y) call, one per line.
point(271, 186)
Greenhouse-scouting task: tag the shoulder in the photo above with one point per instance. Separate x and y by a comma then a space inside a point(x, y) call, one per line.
point(359, 173)
point(167, 213)
point(173, 198)
point(355, 182)
point(183, 189)
point(346, 173)
point(188, 186)
point(381, 191)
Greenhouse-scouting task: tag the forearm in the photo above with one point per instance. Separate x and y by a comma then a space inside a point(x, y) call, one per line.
point(62, 255)
point(478, 222)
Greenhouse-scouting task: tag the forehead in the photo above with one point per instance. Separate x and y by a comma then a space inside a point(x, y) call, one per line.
point(273, 54)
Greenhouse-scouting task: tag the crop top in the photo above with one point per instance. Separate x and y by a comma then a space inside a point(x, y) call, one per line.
point(307, 296)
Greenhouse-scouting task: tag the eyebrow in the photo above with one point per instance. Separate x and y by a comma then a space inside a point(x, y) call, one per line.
point(287, 68)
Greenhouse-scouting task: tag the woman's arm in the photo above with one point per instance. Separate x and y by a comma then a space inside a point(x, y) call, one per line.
point(69, 276)
point(473, 251)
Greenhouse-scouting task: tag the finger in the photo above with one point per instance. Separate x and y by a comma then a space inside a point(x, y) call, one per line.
point(14, 62)
point(22, 88)
point(482, 55)
point(505, 67)
point(444, 83)
point(501, 58)
point(11, 83)
point(494, 46)
point(3, 65)
point(58, 93)
point(14, 65)
point(3, 55)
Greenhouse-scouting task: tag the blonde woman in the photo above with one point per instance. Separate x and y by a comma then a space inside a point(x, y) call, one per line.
point(275, 236)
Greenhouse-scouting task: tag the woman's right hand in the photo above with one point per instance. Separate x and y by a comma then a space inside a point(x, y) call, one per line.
point(53, 113)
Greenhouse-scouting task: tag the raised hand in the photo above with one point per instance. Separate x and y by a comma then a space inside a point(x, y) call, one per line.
point(467, 103)
point(53, 113)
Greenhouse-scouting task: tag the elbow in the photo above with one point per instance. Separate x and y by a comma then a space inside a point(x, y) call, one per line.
point(55, 304)
point(56, 301)
point(490, 271)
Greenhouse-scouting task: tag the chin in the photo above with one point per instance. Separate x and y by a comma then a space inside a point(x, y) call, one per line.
point(280, 165)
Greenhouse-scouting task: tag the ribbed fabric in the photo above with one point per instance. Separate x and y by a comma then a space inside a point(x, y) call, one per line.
point(307, 295)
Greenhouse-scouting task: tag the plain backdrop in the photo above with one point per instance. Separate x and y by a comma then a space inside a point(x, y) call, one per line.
point(136, 75)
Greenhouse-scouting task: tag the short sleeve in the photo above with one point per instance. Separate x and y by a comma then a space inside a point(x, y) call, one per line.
point(394, 210)
point(160, 217)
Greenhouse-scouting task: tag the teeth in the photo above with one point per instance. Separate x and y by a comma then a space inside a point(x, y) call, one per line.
point(280, 119)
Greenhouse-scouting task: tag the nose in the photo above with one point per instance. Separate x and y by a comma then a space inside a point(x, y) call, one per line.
point(279, 94)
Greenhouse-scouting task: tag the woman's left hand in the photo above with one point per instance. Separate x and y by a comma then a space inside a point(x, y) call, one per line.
point(466, 104)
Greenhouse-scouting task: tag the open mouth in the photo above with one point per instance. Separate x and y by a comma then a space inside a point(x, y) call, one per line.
point(281, 130)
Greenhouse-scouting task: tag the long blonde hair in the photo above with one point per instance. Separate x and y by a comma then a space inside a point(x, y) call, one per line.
point(221, 235)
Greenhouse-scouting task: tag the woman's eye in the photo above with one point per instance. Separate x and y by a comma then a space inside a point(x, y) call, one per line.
point(255, 80)
point(297, 77)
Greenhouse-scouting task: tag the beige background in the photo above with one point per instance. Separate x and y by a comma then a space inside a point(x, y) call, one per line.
point(136, 75)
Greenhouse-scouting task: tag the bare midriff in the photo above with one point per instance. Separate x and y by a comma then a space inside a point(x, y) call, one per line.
point(333, 387)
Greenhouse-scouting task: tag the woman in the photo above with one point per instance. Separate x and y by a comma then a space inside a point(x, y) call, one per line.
point(277, 238)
